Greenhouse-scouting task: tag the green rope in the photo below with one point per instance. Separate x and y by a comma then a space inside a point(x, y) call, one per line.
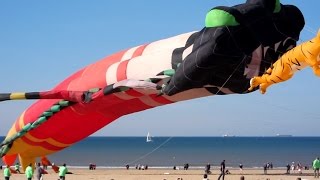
point(7, 143)
point(47, 113)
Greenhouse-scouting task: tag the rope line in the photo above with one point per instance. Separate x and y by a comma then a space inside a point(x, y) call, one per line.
point(155, 149)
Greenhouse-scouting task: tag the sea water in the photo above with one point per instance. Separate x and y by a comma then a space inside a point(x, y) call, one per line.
point(197, 151)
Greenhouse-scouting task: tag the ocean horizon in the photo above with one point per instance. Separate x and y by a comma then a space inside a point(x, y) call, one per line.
point(166, 152)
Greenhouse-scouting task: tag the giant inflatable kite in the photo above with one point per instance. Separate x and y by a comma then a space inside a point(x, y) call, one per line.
point(236, 44)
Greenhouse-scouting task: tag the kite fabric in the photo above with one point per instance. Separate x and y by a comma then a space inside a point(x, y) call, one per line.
point(256, 34)
point(236, 44)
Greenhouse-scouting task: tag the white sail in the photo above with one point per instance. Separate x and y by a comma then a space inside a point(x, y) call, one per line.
point(149, 137)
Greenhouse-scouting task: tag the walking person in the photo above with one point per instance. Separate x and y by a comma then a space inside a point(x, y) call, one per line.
point(63, 171)
point(6, 172)
point(29, 172)
point(222, 169)
point(316, 167)
point(17, 168)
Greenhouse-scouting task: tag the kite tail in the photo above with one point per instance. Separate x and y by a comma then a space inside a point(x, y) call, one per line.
point(73, 96)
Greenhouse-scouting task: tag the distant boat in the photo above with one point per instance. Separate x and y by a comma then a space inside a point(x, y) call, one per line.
point(283, 135)
point(227, 135)
point(149, 137)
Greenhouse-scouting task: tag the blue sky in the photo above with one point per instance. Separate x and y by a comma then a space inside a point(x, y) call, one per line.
point(43, 42)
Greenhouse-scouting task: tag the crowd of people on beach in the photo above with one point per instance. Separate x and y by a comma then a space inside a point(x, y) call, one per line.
point(36, 171)
point(295, 168)
point(290, 169)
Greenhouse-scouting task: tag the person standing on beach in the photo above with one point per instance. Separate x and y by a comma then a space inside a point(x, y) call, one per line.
point(39, 171)
point(29, 172)
point(207, 169)
point(63, 171)
point(222, 169)
point(293, 167)
point(186, 166)
point(288, 168)
point(6, 172)
point(265, 167)
point(241, 167)
point(316, 167)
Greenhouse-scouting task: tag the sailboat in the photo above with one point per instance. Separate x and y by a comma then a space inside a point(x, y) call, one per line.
point(149, 137)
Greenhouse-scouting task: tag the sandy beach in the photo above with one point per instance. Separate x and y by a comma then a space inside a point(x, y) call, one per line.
point(169, 174)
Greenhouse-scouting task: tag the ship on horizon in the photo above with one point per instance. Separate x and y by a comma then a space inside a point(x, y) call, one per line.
point(227, 135)
point(283, 135)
